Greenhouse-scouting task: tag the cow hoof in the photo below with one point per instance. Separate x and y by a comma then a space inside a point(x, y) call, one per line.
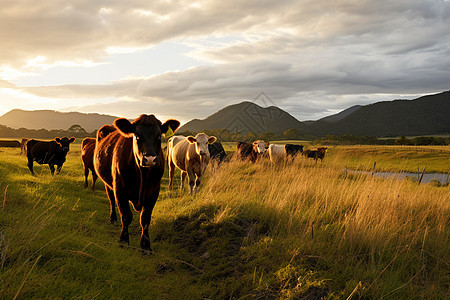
point(145, 244)
point(123, 243)
point(113, 219)
point(124, 239)
point(147, 251)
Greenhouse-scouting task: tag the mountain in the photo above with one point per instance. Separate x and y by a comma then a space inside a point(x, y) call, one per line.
point(427, 115)
point(49, 119)
point(342, 114)
point(245, 117)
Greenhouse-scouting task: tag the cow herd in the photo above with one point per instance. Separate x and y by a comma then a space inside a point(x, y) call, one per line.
point(129, 159)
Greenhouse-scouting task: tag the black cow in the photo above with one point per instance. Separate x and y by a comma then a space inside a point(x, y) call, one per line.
point(292, 150)
point(130, 162)
point(216, 151)
point(48, 152)
point(9, 143)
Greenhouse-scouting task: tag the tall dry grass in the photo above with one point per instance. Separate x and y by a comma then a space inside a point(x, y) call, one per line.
point(372, 222)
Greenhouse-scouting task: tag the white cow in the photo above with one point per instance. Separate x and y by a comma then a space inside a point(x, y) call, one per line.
point(276, 152)
point(190, 155)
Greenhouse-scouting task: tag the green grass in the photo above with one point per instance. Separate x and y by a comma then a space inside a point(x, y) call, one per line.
point(253, 231)
point(393, 158)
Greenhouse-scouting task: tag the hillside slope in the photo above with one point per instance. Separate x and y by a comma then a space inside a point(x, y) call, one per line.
point(50, 119)
point(426, 115)
point(245, 117)
point(339, 116)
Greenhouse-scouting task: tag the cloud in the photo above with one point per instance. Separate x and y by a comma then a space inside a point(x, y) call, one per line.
point(310, 57)
point(85, 30)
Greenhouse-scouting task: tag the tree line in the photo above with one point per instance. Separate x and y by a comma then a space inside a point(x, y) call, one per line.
point(226, 135)
point(370, 140)
point(74, 130)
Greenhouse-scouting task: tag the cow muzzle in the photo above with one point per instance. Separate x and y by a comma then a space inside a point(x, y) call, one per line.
point(149, 160)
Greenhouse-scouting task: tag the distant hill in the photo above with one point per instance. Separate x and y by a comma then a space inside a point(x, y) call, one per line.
point(342, 114)
point(245, 117)
point(427, 115)
point(50, 119)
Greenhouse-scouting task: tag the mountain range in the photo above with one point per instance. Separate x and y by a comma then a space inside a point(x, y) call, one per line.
point(427, 115)
point(50, 119)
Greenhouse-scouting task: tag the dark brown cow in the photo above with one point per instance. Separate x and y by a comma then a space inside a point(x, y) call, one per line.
point(87, 157)
point(87, 154)
point(316, 154)
point(130, 162)
point(48, 152)
point(251, 151)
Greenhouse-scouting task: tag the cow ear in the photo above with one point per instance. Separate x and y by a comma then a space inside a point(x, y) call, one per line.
point(58, 140)
point(212, 139)
point(191, 139)
point(125, 127)
point(72, 139)
point(169, 127)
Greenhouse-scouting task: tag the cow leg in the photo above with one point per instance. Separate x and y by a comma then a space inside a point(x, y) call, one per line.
point(197, 183)
point(58, 169)
point(183, 177)
point(94, 178)
point(52, 169)
point(86, 174)
point(191, 177)
point(30, 165)
point(171, 173)
point(112, 204)
point(125, 214)
point(146, 217)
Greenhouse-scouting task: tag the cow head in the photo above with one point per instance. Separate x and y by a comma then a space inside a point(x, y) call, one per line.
point(322, 149)
point(201, 142)
point(146, 133)
point(259, 146)
point(64, 143)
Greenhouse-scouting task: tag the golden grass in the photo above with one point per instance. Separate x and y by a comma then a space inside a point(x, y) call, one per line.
point(353, 212)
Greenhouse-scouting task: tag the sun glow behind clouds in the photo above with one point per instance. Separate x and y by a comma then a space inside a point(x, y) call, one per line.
point(14, 98)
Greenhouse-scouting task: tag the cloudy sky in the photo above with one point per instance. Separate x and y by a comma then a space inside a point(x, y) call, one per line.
point(187, 59)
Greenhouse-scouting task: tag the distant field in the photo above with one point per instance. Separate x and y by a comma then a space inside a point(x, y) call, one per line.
point(388, 158)
point(254, 231)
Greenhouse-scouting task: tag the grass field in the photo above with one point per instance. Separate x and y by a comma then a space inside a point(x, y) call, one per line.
point(254, 231)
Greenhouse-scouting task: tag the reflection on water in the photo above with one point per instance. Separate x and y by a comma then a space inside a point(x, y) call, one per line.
point(427, 177)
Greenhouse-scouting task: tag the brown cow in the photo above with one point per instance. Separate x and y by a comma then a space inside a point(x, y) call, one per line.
point(87, 157)
point(23, 146)
point(190, 155)
point(252, 151)
point(130, 162)
point(87, 154)
point(316, 154)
